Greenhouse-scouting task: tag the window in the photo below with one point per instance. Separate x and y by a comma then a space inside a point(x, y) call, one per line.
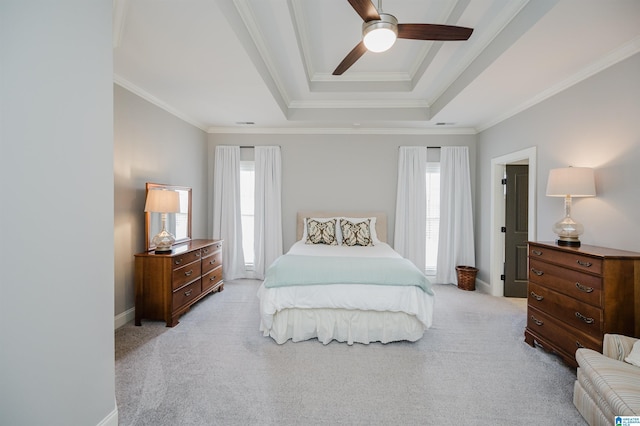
point(247, 209)
point(433, 216)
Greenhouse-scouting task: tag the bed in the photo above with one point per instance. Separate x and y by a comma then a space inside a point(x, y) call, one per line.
point(344, 288)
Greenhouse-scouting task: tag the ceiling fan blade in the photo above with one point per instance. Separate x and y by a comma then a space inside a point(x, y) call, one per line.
point(365, 9)
point(433, 32)
point(350, 59)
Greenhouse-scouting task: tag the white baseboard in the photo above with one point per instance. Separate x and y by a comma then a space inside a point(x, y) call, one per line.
point(483, 287)
point(111, 419)
point(125, 317)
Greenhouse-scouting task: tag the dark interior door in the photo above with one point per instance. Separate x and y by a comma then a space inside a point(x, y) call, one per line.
point(517, 231)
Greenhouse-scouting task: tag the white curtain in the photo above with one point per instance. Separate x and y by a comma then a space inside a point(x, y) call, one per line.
point(411, 204)
point(268, 209)
point(227, 220)
point(456, 242)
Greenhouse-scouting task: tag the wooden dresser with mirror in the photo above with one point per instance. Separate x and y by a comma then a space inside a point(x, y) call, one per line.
point(169, 283)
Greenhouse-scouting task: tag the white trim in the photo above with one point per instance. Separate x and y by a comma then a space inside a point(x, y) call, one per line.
point(290, 130)
point(623, 52)
point(483, 286)
point(249, 20)
point(345, 131)
point(157, 102)
point(123, 318)
point(120, 8)
point(496, 256)
point(365, 103)
point(112, 417)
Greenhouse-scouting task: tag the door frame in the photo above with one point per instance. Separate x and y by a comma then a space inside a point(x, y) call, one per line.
point(498, 208)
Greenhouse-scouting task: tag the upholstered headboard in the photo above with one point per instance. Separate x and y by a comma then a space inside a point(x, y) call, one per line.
point(381, 220)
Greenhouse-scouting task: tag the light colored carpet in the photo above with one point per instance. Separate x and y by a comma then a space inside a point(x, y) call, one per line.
point(215, 368)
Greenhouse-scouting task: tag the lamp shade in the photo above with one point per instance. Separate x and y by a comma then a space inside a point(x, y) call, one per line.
point(573, 181)
point(162, 201)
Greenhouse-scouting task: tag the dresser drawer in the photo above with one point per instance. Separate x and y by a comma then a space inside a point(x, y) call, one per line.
point(585, 318)
point(567, 259)
point(208, 250)
point(187, 273)
point(211, 262)
point(186, 294)
point(566, 338)
point(212, 279)
point(584, 287)
point(181, 260)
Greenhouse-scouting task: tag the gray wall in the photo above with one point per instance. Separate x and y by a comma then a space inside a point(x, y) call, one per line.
point(340, 171)
point(150, 145)
point(595, 123)
point(56, 308)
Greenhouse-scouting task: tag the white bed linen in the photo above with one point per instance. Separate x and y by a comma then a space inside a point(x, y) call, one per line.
point(345, 312)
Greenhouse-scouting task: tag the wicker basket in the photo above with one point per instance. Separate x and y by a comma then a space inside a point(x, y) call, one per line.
point(467, 277)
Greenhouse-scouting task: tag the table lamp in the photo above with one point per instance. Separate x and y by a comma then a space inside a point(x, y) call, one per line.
point(163, 201)
point(570, 182)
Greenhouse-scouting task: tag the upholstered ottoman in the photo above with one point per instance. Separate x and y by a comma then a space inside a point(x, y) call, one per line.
point(606, 385)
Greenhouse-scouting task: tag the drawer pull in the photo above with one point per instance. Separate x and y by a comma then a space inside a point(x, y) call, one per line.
point(585, 319)
point(584, 288)
point(537, 296)
point(537, 272)
point(583, 263)
point(177, 261)
point(536, 252)
point(536, 320)
point(213, 278)
point(188, 292)
point(205, 250)
point(579, 345)
point(188, 273)
point(212, 262)
point(198, 254)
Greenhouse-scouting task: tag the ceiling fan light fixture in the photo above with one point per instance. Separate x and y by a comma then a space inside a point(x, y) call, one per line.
point(380, 35)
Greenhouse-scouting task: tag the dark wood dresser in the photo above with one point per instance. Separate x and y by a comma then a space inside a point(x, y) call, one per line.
point(577, 294)
point(168, 284)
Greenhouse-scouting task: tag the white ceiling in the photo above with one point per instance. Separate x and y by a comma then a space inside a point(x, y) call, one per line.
point(219, 64)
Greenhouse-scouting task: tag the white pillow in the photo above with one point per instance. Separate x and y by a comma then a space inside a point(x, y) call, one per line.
point(322, 219)
point(634, 355)
point(374, 234)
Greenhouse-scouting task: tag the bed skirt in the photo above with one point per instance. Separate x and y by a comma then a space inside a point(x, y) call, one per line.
point(350, 326)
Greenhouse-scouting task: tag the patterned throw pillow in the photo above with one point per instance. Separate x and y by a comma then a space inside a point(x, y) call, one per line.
point(321, 232)
point(356, 234)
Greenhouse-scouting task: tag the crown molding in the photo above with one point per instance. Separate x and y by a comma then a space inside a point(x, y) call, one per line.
point(248, 18)
point(124, 83)
point(157, 102)
point(621, 53)
point(343, 131)
point(360, 103)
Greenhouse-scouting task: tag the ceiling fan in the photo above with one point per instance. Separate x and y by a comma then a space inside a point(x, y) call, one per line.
point(380, 30)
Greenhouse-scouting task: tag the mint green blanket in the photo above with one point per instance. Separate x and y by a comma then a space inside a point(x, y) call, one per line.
point(290, 270)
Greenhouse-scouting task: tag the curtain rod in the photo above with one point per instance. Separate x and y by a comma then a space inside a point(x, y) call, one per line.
point(428, 147)
point(253, 146)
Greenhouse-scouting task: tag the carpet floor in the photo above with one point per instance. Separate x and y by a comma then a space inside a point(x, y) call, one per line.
point(215, 368)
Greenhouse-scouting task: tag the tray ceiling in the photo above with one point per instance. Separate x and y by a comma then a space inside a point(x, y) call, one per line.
point(265, 65)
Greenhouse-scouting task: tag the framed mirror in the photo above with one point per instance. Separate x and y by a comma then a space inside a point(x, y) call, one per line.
point(179, 224)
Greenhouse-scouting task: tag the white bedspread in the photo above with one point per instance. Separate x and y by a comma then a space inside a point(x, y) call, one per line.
point(361, 297)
